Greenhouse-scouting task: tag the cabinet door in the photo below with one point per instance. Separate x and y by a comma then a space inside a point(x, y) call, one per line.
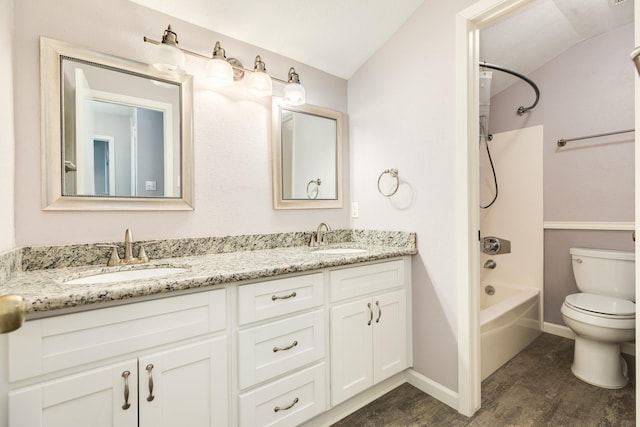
point(185, 386)
point(103, 397)
point(351, 346)
point(389, 335)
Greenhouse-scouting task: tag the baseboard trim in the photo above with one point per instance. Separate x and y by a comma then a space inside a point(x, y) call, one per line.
point(563, 331)
point(432, 388)
point(559, 330)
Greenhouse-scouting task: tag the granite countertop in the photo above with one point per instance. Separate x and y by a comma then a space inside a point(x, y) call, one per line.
point(45, 291)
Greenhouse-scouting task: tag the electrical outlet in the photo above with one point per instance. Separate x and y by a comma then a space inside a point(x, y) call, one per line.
point(150, 185)
point(355, 210)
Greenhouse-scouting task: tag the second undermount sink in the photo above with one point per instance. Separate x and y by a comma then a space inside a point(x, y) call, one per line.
point(340, 251)
point(125, 275)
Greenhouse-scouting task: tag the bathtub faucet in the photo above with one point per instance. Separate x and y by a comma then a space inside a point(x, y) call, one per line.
point(490, 264)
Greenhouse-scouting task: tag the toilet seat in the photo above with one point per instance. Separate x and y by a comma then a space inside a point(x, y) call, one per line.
point(601, 306)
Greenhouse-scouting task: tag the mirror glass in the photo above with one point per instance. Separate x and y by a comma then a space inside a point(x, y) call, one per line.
point(307, 151)
point(117, 134)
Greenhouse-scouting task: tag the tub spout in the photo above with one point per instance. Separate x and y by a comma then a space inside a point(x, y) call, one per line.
point(490, 264)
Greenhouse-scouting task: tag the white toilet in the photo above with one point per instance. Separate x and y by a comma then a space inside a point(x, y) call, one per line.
point(603, 315)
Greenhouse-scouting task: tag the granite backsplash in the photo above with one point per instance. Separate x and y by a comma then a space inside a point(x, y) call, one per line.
point(47, 257)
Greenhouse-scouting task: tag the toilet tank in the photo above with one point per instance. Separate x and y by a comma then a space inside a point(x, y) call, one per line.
point(604, 272)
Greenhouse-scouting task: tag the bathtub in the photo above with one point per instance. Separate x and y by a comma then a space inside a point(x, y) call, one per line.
point(509, 321)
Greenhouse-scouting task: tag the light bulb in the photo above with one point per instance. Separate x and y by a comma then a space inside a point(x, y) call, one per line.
point(167, 56)
point(294, 93)
point(219, 71)
point(168, 59)
point(259, 82)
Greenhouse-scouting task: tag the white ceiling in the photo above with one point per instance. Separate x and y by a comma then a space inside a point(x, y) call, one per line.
point(532, 36)
point(336, 36)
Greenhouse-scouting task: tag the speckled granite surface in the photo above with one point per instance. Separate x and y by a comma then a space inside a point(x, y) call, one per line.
point(9, 264)
point(42, 257)
point(209, 262)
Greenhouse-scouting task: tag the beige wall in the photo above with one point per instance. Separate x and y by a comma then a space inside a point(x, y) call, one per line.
point(402, 115)
point(232, 130)
point(7, 143)
point(586, 90)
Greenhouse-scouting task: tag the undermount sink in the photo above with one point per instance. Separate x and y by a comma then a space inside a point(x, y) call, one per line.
point(340, 251)
point(125, 275)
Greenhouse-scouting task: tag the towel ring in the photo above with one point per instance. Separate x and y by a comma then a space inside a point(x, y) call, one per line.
point(394, 174)
point(317, 182)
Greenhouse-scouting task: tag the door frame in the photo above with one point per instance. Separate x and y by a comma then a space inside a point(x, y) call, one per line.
point(468, 23)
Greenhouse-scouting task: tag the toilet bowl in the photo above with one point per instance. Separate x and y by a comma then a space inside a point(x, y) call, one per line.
point(602, 316)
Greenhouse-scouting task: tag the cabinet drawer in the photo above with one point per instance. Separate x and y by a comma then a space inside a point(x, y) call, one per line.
point(286, 402)
point(264, 300)
point(50, 344)
point(279, 347)
point(366, 279)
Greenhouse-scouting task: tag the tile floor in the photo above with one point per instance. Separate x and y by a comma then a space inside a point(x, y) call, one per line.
point(535, 388)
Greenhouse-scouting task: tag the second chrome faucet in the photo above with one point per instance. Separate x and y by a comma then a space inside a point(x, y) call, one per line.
point(319, 238)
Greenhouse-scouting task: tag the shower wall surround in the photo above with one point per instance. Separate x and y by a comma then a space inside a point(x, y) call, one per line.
point(232, 169)
point(586, 181)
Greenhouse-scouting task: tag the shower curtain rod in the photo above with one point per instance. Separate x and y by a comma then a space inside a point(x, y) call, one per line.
point(521, 109)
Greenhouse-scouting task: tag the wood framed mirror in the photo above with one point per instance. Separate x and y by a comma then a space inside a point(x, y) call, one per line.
point(116, 134)
point(307, 157)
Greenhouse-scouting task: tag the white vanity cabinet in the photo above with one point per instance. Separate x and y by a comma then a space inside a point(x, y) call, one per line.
point(369, 327)
point(281, 351)
point(154, 363)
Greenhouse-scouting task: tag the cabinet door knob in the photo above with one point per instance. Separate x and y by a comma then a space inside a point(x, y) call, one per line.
point(370, 314)
point(379, 311)
point(125, 375)
point(149, 368)
point(277, 408)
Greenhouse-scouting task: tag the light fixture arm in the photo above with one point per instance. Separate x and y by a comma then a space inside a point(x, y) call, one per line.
point(258, 65)
point(218, 52)
point(169, 37)
point(293, 77)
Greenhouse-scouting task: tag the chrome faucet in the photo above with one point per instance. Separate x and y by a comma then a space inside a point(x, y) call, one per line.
point(318, 239)
point(128, 252)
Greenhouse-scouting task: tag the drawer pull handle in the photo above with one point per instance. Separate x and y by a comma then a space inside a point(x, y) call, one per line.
point(370, 314)
point(379, 311)
point(125, 375)
point(277, 408)
point(289, 347)
point(149, 368)
point(275, 297)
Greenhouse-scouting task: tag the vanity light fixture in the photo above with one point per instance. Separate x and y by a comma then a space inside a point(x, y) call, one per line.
point(219, 70)
point(259, 82)
point(222, 71)
point(168, 57)
point(294, 93)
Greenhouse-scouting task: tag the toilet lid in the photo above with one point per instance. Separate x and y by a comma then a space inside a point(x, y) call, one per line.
point(602, 304)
